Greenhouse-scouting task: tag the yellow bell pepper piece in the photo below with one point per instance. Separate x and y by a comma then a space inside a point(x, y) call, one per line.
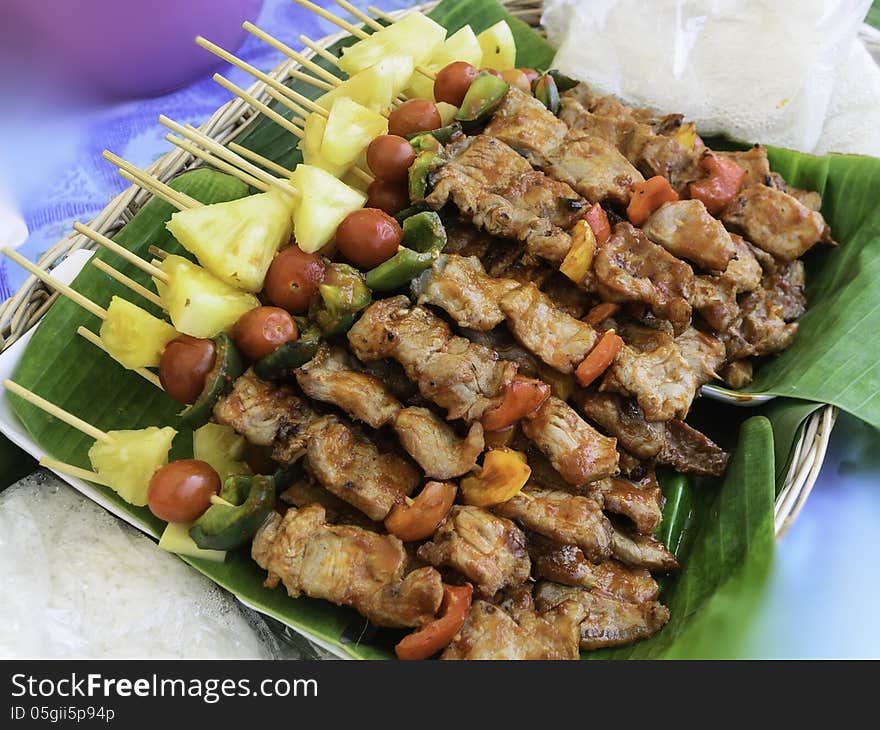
point(686, 135)
point(503, 474)
point(579, 258)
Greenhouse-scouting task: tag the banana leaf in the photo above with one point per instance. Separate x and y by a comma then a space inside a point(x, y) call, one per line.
point(720, 532)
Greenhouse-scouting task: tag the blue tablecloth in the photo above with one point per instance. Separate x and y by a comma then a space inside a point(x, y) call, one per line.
point(822, 597)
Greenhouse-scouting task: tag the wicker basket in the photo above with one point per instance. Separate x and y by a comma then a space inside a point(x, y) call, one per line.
point(25, 308)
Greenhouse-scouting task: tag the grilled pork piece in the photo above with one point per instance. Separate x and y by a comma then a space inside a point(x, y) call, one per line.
point(761, 328)
point(520, 632)
point(555, 337)
point(633, 133)
point(488, 550)
point(703, 353)
point(575, 449)
point(642, 551)
point(714, 298)
point(267, 414)
point(346, 565)
point(687, 230)
point(787, 286)
point(624, 420)
point(652, 369)
point(568, 565)
point(434, 444)
point(641, 502)
point(330, 377)
point(347, 464)
point(464, 378)
point(590, 165)
point(671, 442)
point(608, 622)
point(501, 193)
point(461, 287)
point(776, 222)
point(629, 267)
point(563, 517)
point(754, 161)
point(688, 450)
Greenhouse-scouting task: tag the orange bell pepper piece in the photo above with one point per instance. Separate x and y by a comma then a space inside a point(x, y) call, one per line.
point(600, 357)
point(521, 397)
point(724, 180)
point(434, 636)
point(647, 197)
point(600, 313)
point(598, 221)
point(503, 474)
point(420, 519)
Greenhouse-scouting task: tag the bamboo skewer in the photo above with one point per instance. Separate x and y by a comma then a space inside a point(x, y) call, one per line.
point(319, 50)
point(73, 471)
point(349, 28)
point(90, 336)
point(160, 253)
point(265, 108)
point(152, 184)
point(360, 15)
point(260, 160)
point(57, 412)
point(253, 71)
point(217, 162)
point(217, 499)
point(292, 99)
point(290, 53)
point(381, 14)
point(120, 251)
point(203, 140)
point(128, 282)
point(51, 281)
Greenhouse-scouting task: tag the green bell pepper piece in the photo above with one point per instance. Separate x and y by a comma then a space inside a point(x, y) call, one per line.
point(400, 269)
point(407, 212)
point(343, 294)
point(419, 174)
point(280, 364)
point(547, 93)
point(482, 98)
point(227, 367)
point(563, 82)
point(424, 232)
point(434, 139)
point(224, 527)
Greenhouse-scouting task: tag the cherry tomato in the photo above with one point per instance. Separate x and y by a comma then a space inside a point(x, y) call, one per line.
point(181, 491)
point(390, 156)
point(293, 278)
point(263, 330)
point(531, 75)
point(413, 116)
point(368, 236)
point(453, 81)
point(183, 366)
point(496, 74)
point(392, 197)
point(517, 78)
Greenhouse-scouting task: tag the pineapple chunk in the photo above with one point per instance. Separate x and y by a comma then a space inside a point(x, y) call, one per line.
point(222, 448)
point(199, 303)
point(460, 46)
point(236, 240)
point(414, 35)
point(128, 464)
point(311, 142)
point(374, 87)
point(324, 201)
point(499, 47)
point(176, 540)
point(447, 112)
point(134, 337)
point(350, 128)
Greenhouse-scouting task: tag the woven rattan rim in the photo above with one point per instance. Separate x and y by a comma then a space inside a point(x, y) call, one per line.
point(27, 306)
